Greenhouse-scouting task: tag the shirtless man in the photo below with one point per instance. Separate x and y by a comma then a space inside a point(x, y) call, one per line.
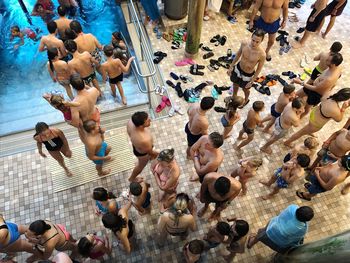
point(97, 150)
point(62, 22)
point(277, 108)
point(51, 41)
point(207, 155)
point(249, 125)
point(86, 99)
point(289, 117)
point(287, 174)
point(242, 70)
point(326, 178)
point(269, 20)
point(322, 65)
point(142, 142)
point(219, 189)
point(323, 84)
point(217, 235)
point(198, 122)
point(82, 63)
point(114, 68)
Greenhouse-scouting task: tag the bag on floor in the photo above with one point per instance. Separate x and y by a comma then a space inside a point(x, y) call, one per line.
point(214, 5)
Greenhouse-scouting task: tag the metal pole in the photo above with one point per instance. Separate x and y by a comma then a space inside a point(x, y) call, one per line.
point(25, 10)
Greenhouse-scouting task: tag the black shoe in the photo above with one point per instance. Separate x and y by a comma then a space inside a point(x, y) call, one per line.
point(215, 39)
point(219, 109)
point(208, 55)
point(300, 30)
point(178, 89)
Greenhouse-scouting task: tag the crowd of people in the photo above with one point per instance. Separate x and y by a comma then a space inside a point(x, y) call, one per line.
point(73, 58)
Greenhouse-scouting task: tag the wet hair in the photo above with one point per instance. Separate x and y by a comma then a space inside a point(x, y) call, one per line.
point(119, 53)
point(259, 33)
point(52, 27)
point(341, 95)
point(69, 33)
point(37, 6)
point(303, 160)
point(56, 100)
point(304, 213)
point(223, 228)
point(336, 47)
point(39, 227)
point(345, 162)
point(61, 10)
point(76, 81)
point(166, 155)
point(258, 105)
point(196, 246)
point(216, 139)
point(135, 188)
point(51, 54)
point(76, 26)
point(101, 194)
point(16, 28)
point(256, 161)
point(40, 127)
point(222, 185)
point(114, 222)
point(89, 125)
point(85, 246)
point(117, 35)
point(241, 228)
point(139, 118)
point(297, 103)
point(108, 50)
point(207, 103)
point(288, 89)
point(337, 59)
point(311, 143)
point(70, 45)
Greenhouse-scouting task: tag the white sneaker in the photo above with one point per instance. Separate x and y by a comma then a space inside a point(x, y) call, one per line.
point(158, 89)
point(171, 112)
point(177, 109)
point(162, 90)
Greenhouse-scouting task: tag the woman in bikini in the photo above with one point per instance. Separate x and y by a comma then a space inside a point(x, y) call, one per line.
point(166, 172)
point(328, 109)
point(47, 237)
point(55, 143)
point(104, 201)
point(231, 116)
point(94, 247)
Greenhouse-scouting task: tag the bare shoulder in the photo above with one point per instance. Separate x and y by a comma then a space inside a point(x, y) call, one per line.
point(262, 53)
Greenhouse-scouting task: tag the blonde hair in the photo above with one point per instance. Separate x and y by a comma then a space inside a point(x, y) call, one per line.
point(56, 100)
point(180, 206)
point(256, 161)
point(311, 143)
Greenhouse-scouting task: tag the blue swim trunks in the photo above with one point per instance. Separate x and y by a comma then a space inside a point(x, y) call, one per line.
point(101, 153)
point(14, 234)
point(314, 187)
point(281, 183)
point(147, 202)
point(274, 113)
point(270, 28)
point(224, 122)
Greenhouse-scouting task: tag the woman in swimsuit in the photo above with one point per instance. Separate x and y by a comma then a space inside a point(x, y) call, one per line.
point(104, 201)
point(179, 219)
point(328, 109)
point(46, 237)
point(117, 40)
point(59, 70)
point(231, 116)
point(94, 247)
point(120, 224)
point(166, 172)
point(55, 143)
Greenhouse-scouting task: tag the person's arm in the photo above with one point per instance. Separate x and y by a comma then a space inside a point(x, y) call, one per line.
point(320, 86)
point(21, 36)
point(76, 121)
point(331, 138)
point(52, 75)
point(92, 155)
point(104, 73)
point(203, 170)
point(259, 68)
point(39, 145)
point(139, 207)
point(293, 177)
point(255, 10)
point(125, 241)
point(204, 188)
point(62, 136)
point(161, 226)
point(285, 13)
point(97, 43)
point(127, 67)
point(194, 148)
point(318, 57)
point(340, 113)
point(170, 182)
point(62, 49)
point(42, 46)
point(236, 59)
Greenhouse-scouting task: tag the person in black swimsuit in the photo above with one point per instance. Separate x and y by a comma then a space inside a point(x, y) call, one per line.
point(55, 143)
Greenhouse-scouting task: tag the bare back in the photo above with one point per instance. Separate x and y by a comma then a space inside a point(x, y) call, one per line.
point(51, 41)
point(253, 119)
point(234, 190)
point(341, 144)
point(86, 42)
point(323, 56)
point(250, 57)
point(112, 67)
point(62, 69)
point(62, 25)
point(289, 117)
point(281, 103)
point(333, 174)
point(87, 100)
point(82, 64)
point(198, 123)
point(327, 80)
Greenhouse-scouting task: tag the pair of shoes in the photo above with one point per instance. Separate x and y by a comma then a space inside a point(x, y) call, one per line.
point(208, 55)
point(177, 87)
point(289, 74)
point(205, 48)
point(190, 95)
point(176, 44)
point(185, 62)
point(232, 19)
point(262, 89)
point(159, 55)
point(159, 90)
point(300, 30)
point(218, 40)
point(194, 70)
point(165, 102)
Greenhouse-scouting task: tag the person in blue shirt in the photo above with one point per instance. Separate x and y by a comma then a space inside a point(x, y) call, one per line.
point(285, 231)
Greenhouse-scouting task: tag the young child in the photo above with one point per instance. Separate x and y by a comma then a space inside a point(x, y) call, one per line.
point(192, 251)
point(287, 174)
point(284, 98)
point(249, 125)
point(104, 201)
point(141, 197)
point(94, 247)
point(309, 147)
point(17, 33)
point(231, 116)
point(217, 235)
point(245, 170)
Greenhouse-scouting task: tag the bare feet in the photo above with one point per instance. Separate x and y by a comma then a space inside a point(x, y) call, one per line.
point(124, 101)
point(345, 190)
point(194, 178)
point(202, 211)
point(266, 150)
point(250, 243)
point(265, 183)
point(137, 179)
point(214, 217)
point(269, 131)
point(105, 172)
point(266, 197)
point(323, 35)
point(68, 173)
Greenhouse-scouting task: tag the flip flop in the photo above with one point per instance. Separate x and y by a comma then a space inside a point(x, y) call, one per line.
point(161, 106)
point(271, 83)
point(205, 48)
point(220, 109)
point(229, 53)
point(301, 195)
point(160, 54)
point(223, 40)
point(171, 112)
point(158, 59)
point(218, 90)
point(166, 100)
point(157, 89)
point(267, 91)
point(303, 76)
point(196, 66)
point(183, 78)
point(215, 39)
point(174, 76)
point(241, 107)
point(190, 61)
point(208, 55)
point(170, 83)
point(282, 32)
point(259, 89)
point(300, 30)
point(214, 93)
point(181, 63)
point(261, 79)
point(195, 71)
point(177, 109)
point(210, 67)
point(178, 89)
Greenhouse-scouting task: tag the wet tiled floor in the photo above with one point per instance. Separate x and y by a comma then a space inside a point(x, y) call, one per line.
point(26, 188)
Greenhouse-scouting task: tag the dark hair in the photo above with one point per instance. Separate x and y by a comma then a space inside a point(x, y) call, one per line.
point(52, 27)
point(345, 162)
point(76, 81)
point(241, 227)
point(216, 139)
point(336, 47)
point(61, 10)
point(70, 45)
point(15, 28)
point(101, 194)
point(223, 228)
point(69, 33)
point(196, 246)
point(222, 185)
point(341, 95)
point(259, 33)
point(40, 127)
point(304, 213)
point(114, 222)
point(85, 247)
point(89, 125)
point(39, 227)
point(135, 188)
point(303, 160)
point(207, 103)
point(37, 6)
point(117, 35)
point(288, 89)
point(258, 105)
point(51, 54)
point(337, 58)
point(297, 103)
point(108, 50)
point(232, 104)
point(139, 118)
point(75, 26)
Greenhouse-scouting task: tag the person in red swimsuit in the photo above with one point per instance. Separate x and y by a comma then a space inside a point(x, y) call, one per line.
point(94, 247)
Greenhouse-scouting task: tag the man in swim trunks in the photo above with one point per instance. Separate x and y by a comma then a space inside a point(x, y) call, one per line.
point(62, 22)
point(141, 199)
point(325, 178)
point(269, 20)
point(82, 63)
point(322, 65)
point(322, 85)
point(242, 70)
point(96, 148)
point(289, 117)
point(198, 122)
point(219, 189)
point(207, 155)
point(51, 41)
point(277, 108)
point(142, 142)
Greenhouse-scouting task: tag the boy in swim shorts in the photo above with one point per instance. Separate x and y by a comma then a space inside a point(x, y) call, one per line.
point(141, 197)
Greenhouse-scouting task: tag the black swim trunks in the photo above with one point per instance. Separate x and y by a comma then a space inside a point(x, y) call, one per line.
point(246, 129)
point(239, 77)
point(136, 153)
point(89, 78)
point(209, 199)
point(315, 73)
point(191, 138)
point(117, 79)
point(330, 8)
point(313, 26)
point(313, 98)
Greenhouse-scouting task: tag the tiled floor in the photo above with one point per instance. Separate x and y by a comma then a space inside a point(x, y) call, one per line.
point(34, 199)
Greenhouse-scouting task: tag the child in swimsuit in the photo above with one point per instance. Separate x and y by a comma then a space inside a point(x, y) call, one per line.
point(309, 148)
point(104, 201)
point(94, 247)
point(16, 32)
point(141, 197)
point(231, 116)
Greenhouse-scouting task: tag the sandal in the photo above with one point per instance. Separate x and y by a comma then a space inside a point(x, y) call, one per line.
point(261, 79)
point(196, 66)
point(267, 91)
point(174, 76)
point(210, 67)
point(167, 36)
point(259, 89)
point(208, 55)
point(205, 48)
point(166, 100)
point(223, 40)
point(301, 195)
point(178, 89)
point(271, 83)
point(215, 39)
point(195, 71)
point(170, 83)
point(220, 109)
point(161, 106)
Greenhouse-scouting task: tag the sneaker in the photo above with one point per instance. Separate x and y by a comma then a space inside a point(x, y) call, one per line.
point(158, 89)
